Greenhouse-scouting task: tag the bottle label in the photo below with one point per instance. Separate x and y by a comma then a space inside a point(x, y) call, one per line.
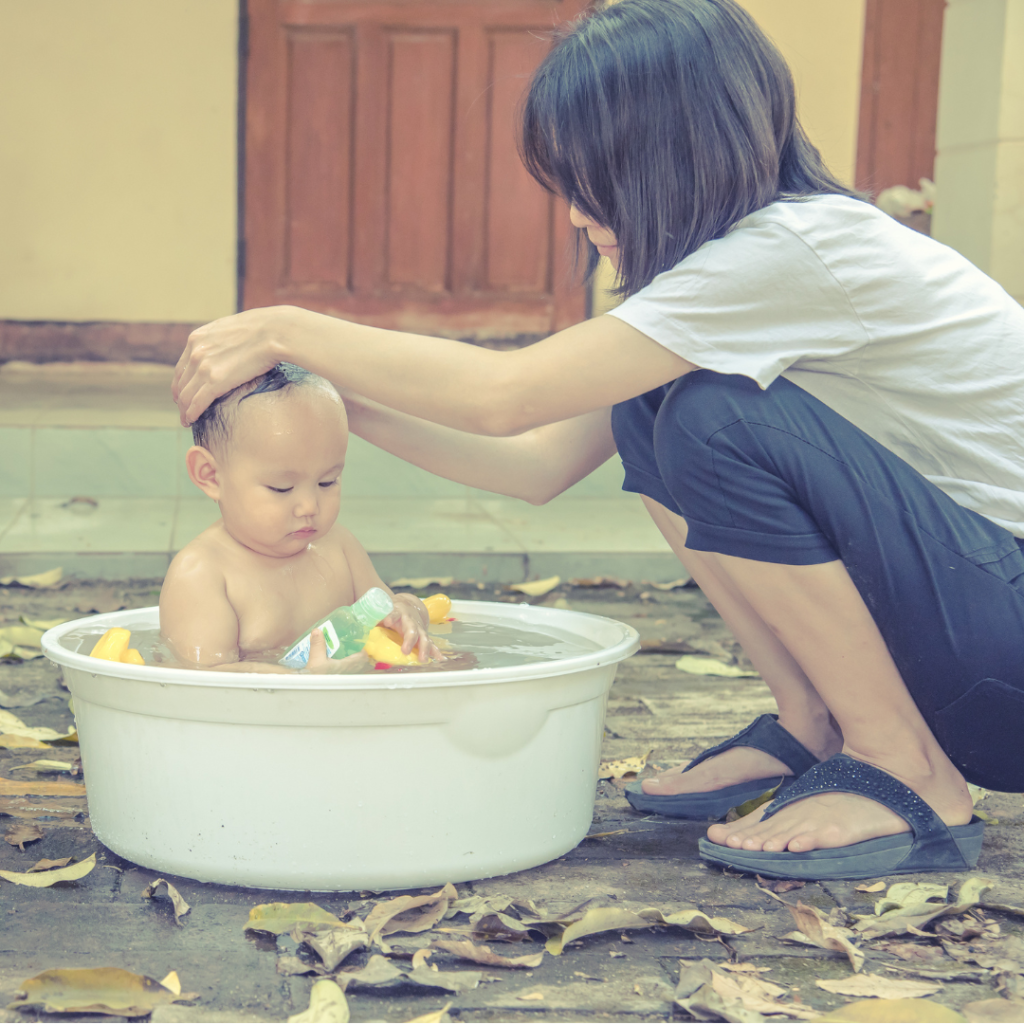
point(298, 656)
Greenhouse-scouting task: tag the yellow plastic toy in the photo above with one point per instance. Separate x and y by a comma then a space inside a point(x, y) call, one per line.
point(439, 606)
point(113, 646)
point(384, 645)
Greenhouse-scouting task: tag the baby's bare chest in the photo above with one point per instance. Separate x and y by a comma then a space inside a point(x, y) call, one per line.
point(277, 604)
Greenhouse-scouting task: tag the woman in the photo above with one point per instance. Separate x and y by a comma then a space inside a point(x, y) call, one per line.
point(822, 411)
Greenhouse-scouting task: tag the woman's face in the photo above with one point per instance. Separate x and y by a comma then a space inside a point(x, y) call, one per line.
point(602, 237)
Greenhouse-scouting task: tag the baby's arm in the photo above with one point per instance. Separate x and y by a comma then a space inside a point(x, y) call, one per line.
point(196, 618)
point(410, 617)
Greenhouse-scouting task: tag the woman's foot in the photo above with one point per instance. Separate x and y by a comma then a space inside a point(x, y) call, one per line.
point(832, 820)
point(741, 764)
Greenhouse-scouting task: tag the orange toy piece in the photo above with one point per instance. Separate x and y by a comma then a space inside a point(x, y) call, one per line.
point(113, 646)
point(439, 606)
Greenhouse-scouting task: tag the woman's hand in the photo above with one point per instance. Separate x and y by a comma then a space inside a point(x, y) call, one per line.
point(230, 351)
point(320, 664)
point(412, 620)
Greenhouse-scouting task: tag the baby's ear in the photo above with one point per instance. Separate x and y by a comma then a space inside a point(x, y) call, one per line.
point(203, 471)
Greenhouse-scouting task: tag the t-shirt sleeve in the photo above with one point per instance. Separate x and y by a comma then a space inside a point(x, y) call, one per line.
point(754, 302)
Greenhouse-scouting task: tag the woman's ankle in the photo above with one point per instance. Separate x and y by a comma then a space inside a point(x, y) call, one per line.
point(818, 733)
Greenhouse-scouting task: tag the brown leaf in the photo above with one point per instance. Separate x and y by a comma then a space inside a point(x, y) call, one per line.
point(45, 865)
point(161, 887)
point(408, 914)
point(894, 1011)
point(709, 994)
point(606, 581)
point(381, 971)
point(994, 1011)
point(484, 955)
point(39, 787)
point(101, 599)
point(279, 918)
point(43, 879)
point(874, 887)
point(914, 952)
point(22, 832)
point(878, 987)
point(333, 944)
point(816, 928)
point(327, 1005)
point(437, 1017)
point(779, 885)
point(627, 766)
point(107, 990)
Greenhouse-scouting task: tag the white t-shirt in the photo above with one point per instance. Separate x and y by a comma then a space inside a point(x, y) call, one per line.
point(894, 331)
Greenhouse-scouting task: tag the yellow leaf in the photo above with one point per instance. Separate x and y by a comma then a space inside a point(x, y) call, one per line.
point(107, 990)
point(21, 636)
point(11, 725)
point(42, 879)
point(419, 582)
point(39, 581)
point(39, 787)
point(438, 1017)
point(673, 585)
point(994, 1011)
point(531, 996)
point(172, 982)
point(537, 587)
point(45, 865)
point(44, 624)
point(408, 914)
point(27, 653)
point(748, 806)
point(701, 665)
point(894, 1011)
point(816, 928)
point(327, 1005)
point(625, 766)
point(278, 918)
point(43, 766)
point(12, 741)
point(877, 986)
point(875, 887)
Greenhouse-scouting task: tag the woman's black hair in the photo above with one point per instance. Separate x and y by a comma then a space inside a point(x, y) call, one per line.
point(667, 121)
point(213, 425)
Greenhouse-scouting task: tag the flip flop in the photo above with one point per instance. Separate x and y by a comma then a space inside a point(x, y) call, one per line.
point(764, 734)
point(931, 845)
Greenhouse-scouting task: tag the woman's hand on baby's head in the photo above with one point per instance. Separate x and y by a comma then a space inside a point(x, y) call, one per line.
point(320, 664)
point(412, 620)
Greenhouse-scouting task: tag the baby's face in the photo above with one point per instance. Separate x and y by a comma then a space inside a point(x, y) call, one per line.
point(280, 474)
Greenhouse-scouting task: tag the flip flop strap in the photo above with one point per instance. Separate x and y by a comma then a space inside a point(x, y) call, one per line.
point(844, 774)
point(765, 734)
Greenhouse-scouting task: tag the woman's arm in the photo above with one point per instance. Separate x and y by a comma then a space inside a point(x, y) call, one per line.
point(535, 466)
point(591, 365)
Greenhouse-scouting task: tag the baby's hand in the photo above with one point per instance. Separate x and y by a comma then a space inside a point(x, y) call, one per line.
point(411, 619)
point(320, 664)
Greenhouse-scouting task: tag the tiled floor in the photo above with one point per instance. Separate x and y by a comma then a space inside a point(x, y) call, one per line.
point(108, 436)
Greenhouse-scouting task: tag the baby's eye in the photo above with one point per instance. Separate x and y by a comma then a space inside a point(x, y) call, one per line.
point(278, 490)
point(328, 483)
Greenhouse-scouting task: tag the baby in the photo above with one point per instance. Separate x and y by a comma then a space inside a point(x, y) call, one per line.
point(270, 453)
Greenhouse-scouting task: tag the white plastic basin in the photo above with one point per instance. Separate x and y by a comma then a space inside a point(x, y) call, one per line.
point(344, 782)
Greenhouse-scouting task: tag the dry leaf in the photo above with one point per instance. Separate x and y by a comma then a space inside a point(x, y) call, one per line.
point(994, 1011)
point(874, 887)
point(419, 582)
point(101, 599)
point(908, 906)
point(39, 787)
point(48, 580)
point(42, 879)
point(408, 914)
point(11, 725)
point(484, 955)
point(278, 918)
point(699, 665)
point(535, 588)
point(624, 766)
point(15, 742)
point(437, 1017)
point(420, 957)
point(327, 1005)
point(816, 929)
point(608, 835)
point(97, 990)
point(706, 993)
point(381, 971)
point(46, 766)
point(756, 995)
point(45, 865)
point(22, 832)
point(743, 968)
point(600, 581)
point(21, 636)
point(778, 885)
point(673, 585)
point(332, 943)
point(532, 997)
point(894, 1011)
point(44, 624)
point(181, 908)
point(876, 986)
point(751, 805)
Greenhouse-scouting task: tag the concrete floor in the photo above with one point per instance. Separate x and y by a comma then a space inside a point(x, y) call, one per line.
point(642, 861)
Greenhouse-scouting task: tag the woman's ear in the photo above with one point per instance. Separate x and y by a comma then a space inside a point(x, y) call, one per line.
point(203, 471)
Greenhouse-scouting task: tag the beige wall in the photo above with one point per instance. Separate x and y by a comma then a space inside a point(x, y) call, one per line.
point(823, 44)
point(979, 168)
point(117, 159)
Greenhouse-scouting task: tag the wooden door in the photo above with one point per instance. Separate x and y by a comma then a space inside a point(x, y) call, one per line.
point(899, 93)
point(382, 182)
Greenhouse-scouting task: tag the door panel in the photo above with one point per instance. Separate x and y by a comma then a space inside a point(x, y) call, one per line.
point(382, 178)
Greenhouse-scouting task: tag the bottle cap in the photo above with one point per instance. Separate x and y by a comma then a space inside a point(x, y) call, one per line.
point(373, 606)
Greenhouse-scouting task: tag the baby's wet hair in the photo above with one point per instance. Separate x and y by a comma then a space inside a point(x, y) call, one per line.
point(215, 425)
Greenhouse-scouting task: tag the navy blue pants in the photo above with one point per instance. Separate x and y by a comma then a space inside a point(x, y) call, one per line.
point(777, 476)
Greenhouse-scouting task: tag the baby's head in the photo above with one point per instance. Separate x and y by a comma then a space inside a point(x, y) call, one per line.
point(270, 453)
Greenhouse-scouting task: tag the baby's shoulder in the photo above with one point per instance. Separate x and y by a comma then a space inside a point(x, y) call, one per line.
point(202, 560)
